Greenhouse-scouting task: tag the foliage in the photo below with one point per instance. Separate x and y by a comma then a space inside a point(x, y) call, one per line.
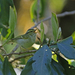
point(4, 15)
point(6, 68)
point(43, 61)
point(34, 8)
point(55, 26)
point(42, 32)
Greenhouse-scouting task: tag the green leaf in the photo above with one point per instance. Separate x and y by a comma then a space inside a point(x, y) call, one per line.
point(28, 70)
point(68, 69)
point(66, 49)
point(2, 58)
point(42, 31)
point(9, 47)
point(0, 7)
point(4, 11)
point(59, 33)
point(42, 59)
point(55, 26)
point(56, 68)
point(1, 66)
point(7, 68)
point(73, 36)
point(34, 9)
point(68, 40)
point(12, 19)
point(4, 32)
point(73, 63)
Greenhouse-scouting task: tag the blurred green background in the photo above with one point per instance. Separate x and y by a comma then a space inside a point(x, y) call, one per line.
point(24, 21)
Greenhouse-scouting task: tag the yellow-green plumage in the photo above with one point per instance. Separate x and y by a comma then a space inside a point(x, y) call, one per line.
point(26, 40)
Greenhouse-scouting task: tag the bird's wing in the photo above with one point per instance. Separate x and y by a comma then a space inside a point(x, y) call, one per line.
point(20, 37)
point(25, 36)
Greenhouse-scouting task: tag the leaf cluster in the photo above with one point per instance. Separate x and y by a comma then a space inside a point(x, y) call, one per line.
point(52, 56)
point(8, 19)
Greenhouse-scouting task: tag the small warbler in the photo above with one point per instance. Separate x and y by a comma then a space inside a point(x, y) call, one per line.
point(26, 40)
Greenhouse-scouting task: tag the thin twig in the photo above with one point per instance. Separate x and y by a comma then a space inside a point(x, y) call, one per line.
point(5, 26)
point(58, 15)
point(19, 53)
point(16, 47)
point(38, 7)
point(22, 57)
point(3, 50)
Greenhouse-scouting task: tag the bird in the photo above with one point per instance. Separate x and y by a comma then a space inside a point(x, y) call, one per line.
point(26, 40)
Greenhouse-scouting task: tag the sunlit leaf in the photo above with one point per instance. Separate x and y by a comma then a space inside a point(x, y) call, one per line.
point(28, 70)
point(73, 36)
point(42, 59)
point(42, 31)
point(54, 57)
point(7, 68)
point(55, 26)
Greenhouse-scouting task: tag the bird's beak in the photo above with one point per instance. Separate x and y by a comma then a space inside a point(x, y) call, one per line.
point(36, 30)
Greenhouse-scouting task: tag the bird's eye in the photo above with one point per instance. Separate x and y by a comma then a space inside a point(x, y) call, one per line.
point(30, 30)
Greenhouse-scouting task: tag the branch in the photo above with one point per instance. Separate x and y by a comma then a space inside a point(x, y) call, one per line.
point(22, 57)
point(10, 54)
point(16, 47)
point(3, 50)
point(38, 7)
point(19, 53)
point(5, 26)
point(58, 15)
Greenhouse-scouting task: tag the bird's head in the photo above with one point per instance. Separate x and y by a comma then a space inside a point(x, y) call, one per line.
point(31, 31)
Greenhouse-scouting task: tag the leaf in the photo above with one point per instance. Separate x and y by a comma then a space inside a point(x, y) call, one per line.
point(73, 36)
point(7, 68)
point(12, 19)
point(42, 31)
point(73, 63)
point(4, 11)
point(55, 26)
point(42, 59)
point(9, 47)
point(2, 58)
point(59, 33)
point(68, 70)
point(4, 32)
point(1, 66)
point(53, 72)
point(34, 9)
point(56, 68)
point(68, 40)
point(28, 70)
point(67, 50)
point(54, 57)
